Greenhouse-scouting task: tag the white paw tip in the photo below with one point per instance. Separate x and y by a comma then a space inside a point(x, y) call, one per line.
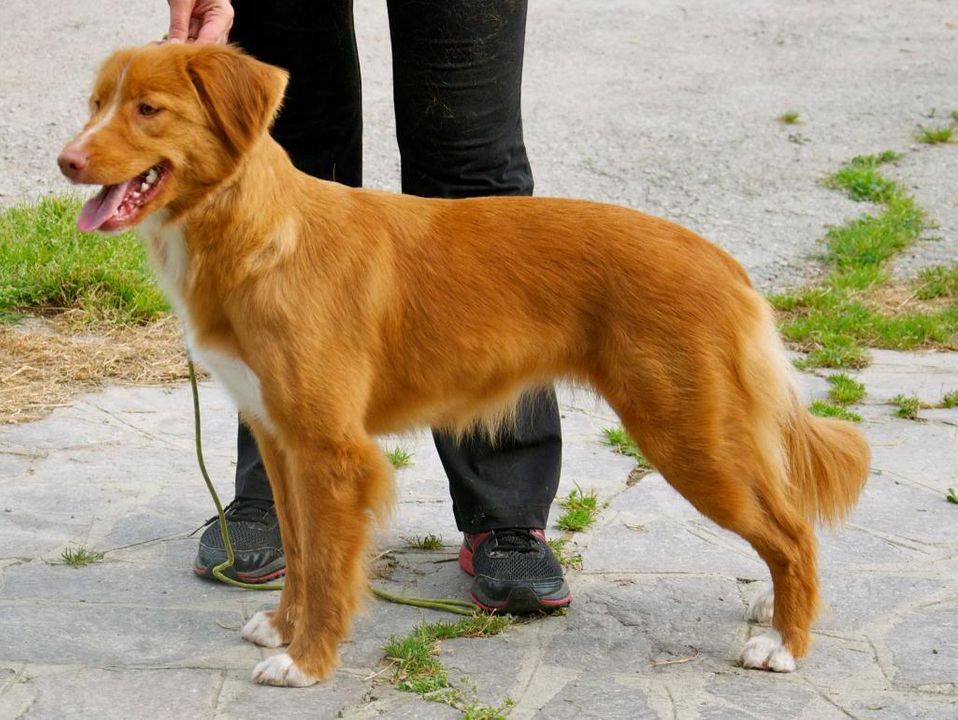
point(762, 608)
point(280, 670)
point(260, 631)
point(766, 652)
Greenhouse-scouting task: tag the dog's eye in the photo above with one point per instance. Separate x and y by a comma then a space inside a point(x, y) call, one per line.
point(148, 110)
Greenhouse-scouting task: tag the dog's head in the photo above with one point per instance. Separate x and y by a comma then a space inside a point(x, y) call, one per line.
point(168, 124)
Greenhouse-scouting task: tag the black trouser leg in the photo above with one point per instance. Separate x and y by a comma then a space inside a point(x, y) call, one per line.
point(457, 75)
point(320, 124)
point(457, 71)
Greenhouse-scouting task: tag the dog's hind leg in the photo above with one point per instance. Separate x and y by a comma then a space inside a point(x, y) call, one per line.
point(274, 628)
point(717, 464)
point(334, 489)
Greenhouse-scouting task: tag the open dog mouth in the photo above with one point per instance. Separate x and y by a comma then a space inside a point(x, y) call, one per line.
point(117, 207)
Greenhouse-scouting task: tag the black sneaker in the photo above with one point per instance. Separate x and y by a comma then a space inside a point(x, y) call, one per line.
point(257, 548)
point(515, 571)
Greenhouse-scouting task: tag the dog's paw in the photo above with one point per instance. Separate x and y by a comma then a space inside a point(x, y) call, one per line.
point(762, 608)
point(260, 631)
point(767, 652)
point(282, 671)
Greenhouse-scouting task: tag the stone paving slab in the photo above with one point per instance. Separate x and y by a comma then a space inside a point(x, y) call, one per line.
point(655, 627)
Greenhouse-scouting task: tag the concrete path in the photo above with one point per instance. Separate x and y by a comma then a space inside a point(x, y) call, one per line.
point(665, 106)
point(653, 632)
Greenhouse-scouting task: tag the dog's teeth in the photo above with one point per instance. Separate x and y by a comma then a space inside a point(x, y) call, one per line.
point(151, 176)
point(144, 187)
point(135, 193)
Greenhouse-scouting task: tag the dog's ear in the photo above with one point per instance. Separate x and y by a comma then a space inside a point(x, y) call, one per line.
point(241, 94)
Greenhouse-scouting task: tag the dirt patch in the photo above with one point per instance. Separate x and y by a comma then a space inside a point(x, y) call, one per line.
point(899, 299)
point(44, 362)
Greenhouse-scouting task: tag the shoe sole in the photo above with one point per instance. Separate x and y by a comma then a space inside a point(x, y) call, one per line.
point(242, 577)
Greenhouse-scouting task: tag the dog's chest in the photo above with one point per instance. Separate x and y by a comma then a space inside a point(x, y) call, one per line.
point(171, 262)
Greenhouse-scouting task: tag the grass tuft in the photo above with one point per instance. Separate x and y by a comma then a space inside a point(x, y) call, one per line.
point(49, 266)
point(934, 135)
point(789, 117)
point(80, 556)
point(825, 409)
point(937, 282)
point(580, 508)
point(565, 558)
point(844, 390)
point(861, 179)
point(418, 669)
point(952, 497)
point(425, 542)
point(908, 407)
point(399, 457)
point(620, 441)
point(950, 399)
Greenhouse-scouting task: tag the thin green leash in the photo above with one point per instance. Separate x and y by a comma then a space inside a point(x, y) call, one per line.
point(459, 607)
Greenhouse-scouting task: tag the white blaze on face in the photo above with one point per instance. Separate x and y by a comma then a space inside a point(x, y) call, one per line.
point(107, 116)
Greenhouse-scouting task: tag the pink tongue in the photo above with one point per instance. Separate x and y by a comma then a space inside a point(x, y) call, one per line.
point(102, 206)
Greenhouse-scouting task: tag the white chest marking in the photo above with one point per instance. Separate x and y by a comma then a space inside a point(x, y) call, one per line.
point(171, 263)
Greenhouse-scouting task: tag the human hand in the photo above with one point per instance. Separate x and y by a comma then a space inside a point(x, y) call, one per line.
point(200, 21)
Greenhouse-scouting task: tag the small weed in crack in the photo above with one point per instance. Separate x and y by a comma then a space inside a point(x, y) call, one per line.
point(619, 440)
point(565, 557)
point(80, 556)
point(908, 407)
point(425, 542)
point(826, 409)
point(580, 508)
point(399, 457)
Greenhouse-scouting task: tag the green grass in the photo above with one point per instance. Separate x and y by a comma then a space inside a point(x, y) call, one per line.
point(419, 670)
point(950, 399)
point(861, 179)
point(80, 556)
point(619, 440)
point(580, 508)
point(486, 712)
point(952, 497)
point(937, 282)
point(425, 542)
point(790, 117)
point(399, 457)
point(47, 265)
point(908, 407)
point(934, 135)
point(565, 558)
point(825, 409)
point(844, 390)
point(836, 320)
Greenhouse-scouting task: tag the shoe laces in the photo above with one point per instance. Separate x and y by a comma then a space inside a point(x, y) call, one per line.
point(244, 510)
point(520, 540)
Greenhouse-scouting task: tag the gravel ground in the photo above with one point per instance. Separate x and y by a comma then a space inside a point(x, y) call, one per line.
point(664, 106)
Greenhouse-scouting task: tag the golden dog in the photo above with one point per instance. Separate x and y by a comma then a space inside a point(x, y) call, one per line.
point(332, 314)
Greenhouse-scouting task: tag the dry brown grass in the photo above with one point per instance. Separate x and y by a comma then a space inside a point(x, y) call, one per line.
point(46, 361)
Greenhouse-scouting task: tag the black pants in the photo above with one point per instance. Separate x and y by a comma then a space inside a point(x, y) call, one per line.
point(457, 71)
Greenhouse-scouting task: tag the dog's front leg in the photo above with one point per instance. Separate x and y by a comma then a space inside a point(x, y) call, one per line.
point(274, 628)
point(333, 490)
